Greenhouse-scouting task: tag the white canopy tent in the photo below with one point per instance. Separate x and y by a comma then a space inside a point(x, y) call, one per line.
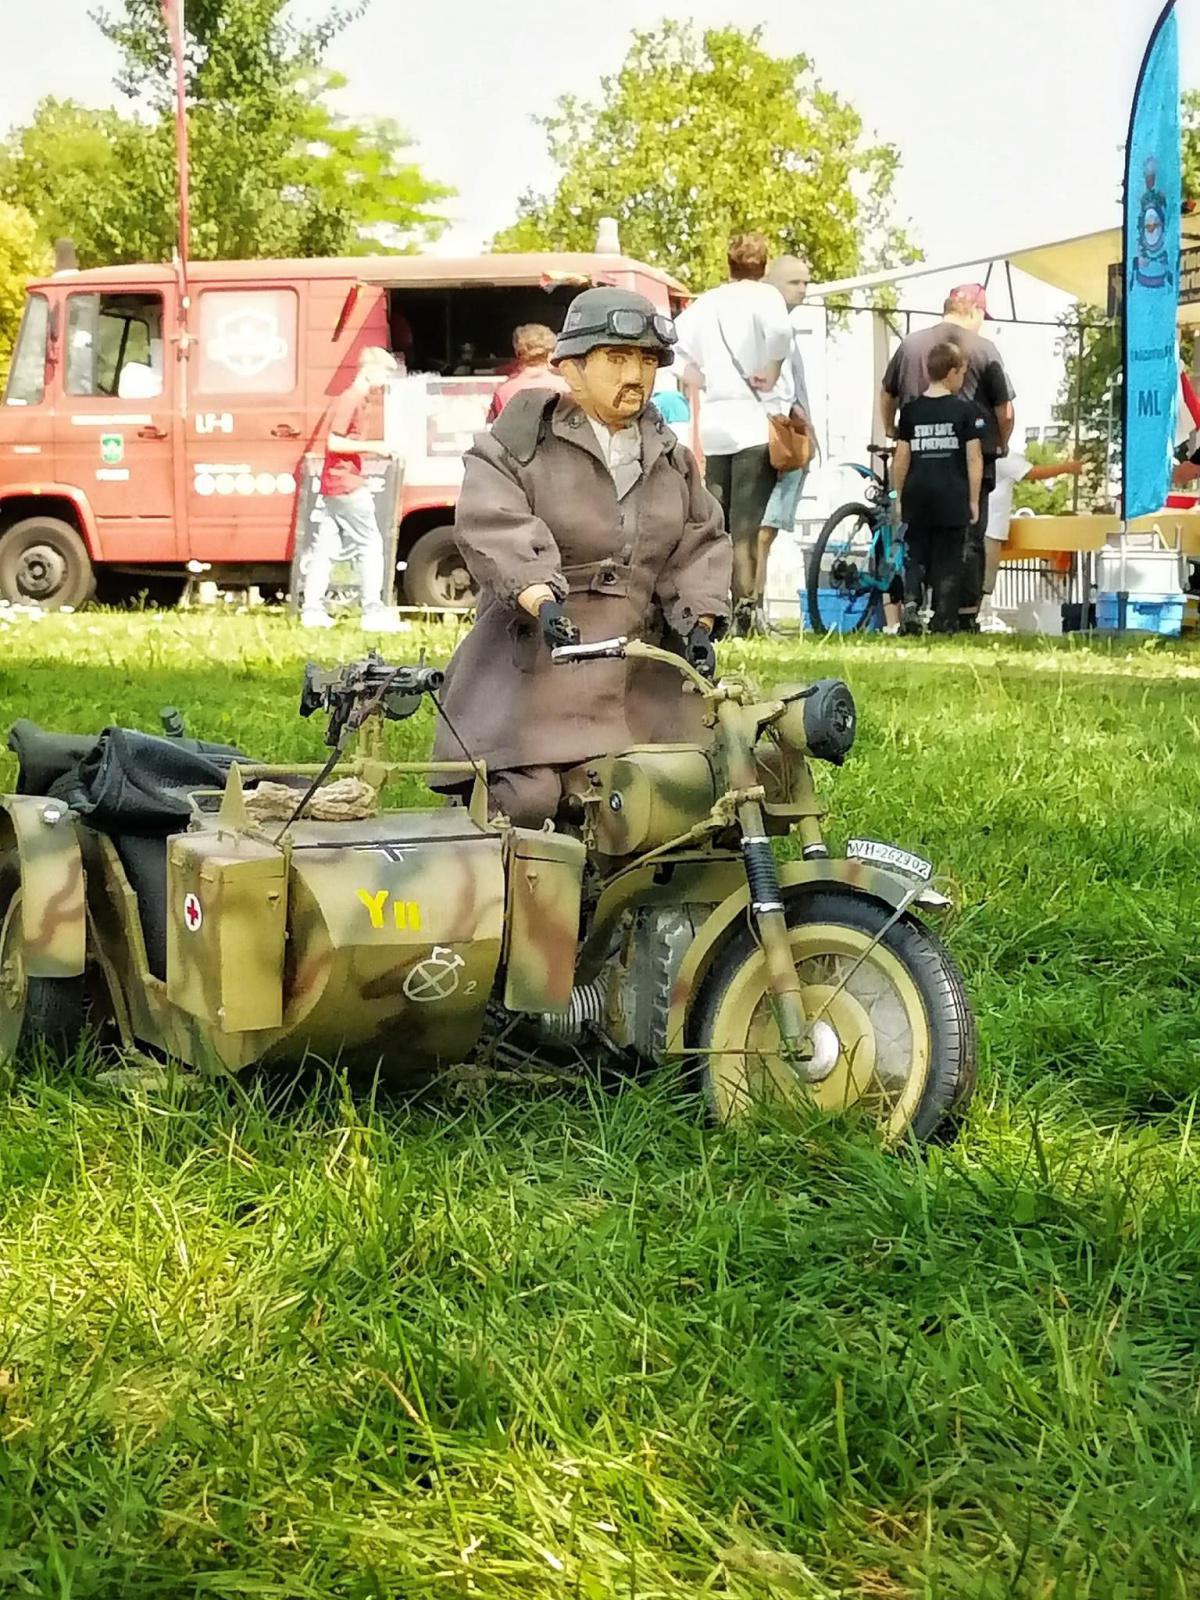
point(1077, 266)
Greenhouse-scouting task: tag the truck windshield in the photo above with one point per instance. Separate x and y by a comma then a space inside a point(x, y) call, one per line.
point(27, 376)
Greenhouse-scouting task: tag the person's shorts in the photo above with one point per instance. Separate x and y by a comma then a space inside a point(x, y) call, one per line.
point(785, 498)
point(742, 483)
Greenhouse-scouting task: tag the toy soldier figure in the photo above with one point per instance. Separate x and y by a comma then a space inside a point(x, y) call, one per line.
point(582, 517)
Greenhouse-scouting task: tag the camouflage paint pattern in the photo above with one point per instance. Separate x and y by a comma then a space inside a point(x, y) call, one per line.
point(701, 878)
point(889, 888)
point(545, 878)
point(53, 924)
point(396, 925)
point(226, 927)
point(644, 797)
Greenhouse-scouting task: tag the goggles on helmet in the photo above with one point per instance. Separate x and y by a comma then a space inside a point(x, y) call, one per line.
point(624, 323)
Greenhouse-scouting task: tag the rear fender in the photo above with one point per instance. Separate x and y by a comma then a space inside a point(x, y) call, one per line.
point(53, 917)
point(888, 888)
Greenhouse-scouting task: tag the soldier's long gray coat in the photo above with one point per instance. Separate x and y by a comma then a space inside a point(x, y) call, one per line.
point(647, 565)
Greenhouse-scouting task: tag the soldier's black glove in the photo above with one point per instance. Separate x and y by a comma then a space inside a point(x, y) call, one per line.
point(557, 627)
point(698, 651)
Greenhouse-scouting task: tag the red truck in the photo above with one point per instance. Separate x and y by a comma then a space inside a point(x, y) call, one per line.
point(140, 433)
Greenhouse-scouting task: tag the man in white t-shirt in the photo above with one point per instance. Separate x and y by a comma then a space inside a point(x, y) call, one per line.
point(733, 341)
point(1011, 469)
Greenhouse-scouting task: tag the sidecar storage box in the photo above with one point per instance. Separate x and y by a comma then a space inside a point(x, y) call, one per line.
point(396, 925)
point(545, 878)
point(226, 924)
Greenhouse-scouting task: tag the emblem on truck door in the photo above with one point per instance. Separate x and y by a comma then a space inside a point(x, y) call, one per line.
point(247, 343)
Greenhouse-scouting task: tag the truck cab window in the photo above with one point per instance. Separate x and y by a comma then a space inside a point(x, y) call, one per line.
point(27, 375)
point(115, 345)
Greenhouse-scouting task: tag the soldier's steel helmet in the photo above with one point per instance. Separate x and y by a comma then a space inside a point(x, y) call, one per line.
point(614, 316)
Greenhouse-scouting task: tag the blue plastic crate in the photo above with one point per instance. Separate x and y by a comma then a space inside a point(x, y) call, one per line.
point(1144, 613)
point(837, 614)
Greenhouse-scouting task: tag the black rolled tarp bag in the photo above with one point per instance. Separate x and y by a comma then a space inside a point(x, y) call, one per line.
point(140, 783)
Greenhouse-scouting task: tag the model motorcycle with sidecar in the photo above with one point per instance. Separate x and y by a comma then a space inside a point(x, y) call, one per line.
point(143, 888)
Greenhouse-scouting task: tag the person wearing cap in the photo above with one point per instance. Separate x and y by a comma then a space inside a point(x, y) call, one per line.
point(986, 384)
point(582, 517)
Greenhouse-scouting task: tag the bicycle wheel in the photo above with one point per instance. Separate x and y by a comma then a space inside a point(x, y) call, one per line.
point(839, 565)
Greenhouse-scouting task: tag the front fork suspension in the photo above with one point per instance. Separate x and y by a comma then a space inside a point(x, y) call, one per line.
point(766, 896)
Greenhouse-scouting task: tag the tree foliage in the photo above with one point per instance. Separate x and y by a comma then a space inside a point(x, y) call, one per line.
point(274, 170)
point(1052, 497)
point(699, 136)
point(22, 256)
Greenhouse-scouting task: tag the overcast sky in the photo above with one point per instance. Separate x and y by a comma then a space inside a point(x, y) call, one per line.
point(1009, 116)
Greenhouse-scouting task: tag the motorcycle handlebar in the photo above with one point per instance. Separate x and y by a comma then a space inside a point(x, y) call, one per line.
point(599, 650)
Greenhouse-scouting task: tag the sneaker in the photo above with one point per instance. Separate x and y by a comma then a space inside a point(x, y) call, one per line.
point(378, 619)
point(315, 617)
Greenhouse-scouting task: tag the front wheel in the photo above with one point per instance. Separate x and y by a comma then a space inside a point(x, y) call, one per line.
point(840, 600)
point(898, 1011)
point(44, 562)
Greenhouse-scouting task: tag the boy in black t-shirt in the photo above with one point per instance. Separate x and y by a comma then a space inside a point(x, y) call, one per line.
point(938, 476)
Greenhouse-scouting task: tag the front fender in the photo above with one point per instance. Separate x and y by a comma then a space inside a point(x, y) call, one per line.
point(53, 914)
point(74, 497)
point(877, 883)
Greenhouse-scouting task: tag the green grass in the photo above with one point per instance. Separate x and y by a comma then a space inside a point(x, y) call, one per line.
point(273, 1340)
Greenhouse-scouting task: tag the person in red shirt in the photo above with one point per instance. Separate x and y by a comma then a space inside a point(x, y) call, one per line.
point(533, 345)
point(349, 518)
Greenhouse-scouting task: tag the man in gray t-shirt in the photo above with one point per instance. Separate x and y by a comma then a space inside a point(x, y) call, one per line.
point(987, 384)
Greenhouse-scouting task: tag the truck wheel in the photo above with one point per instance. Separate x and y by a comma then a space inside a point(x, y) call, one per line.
point(44, 562)
point(436, 574)
point(51, 1009)
point(900, 1019)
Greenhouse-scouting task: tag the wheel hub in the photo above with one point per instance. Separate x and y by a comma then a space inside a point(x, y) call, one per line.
point(453, 581)
point(42, 572)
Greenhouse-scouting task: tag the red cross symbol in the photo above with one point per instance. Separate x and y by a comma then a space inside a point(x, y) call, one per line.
point(192, 913)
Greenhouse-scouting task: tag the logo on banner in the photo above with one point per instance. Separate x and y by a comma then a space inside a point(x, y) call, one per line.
point(1151, 264)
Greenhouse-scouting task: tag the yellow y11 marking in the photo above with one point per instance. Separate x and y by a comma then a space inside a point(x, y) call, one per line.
point(406, 914)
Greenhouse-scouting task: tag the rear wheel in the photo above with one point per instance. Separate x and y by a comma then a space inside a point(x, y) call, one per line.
point(51, 1009)
point(897, 1008)
point(436, 574)
point(842, 556)
point(44, 562)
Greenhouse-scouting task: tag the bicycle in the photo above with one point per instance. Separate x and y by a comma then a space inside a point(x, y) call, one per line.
point(859, 553)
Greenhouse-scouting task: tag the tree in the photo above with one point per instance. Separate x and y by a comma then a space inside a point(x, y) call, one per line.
point(702, 135)
point(22, 257)
point(274, 171)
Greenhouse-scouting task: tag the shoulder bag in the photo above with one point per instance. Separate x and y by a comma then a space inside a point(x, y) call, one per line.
point(789, 443)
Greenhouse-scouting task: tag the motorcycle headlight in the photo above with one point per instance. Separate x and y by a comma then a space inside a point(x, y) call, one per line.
point(822, 722)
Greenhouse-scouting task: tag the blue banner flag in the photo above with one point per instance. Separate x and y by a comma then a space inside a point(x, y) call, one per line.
point(1151, 274)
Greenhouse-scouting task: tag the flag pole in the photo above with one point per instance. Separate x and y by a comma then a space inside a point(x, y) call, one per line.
point(173, 13)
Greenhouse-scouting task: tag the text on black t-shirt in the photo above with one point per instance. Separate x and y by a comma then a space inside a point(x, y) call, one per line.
point(937, 430)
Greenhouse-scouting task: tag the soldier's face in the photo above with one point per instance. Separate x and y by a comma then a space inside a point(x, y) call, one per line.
point(613, 383)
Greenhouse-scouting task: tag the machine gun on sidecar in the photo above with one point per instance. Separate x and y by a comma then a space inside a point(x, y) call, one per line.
point(137, 879)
